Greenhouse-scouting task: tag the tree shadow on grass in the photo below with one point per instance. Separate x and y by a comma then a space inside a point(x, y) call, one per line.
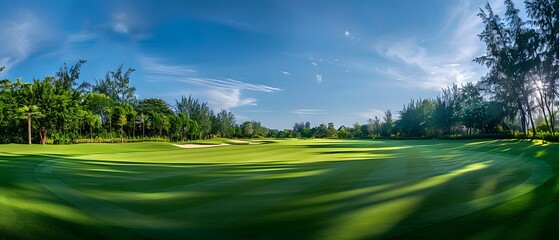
point(257, 200)
point(238, 195)
point(530, 216)
point(234, 181)
point(29, 211)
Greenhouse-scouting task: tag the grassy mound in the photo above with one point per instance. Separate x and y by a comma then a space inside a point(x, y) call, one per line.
point(337, 189)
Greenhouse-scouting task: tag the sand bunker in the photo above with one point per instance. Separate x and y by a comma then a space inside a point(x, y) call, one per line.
point(230, 142)
point(200, 145)
point(238, 141)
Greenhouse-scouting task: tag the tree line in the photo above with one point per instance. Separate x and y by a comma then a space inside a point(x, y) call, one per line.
point(517, 97)
point(458, 110)
point(57, 109)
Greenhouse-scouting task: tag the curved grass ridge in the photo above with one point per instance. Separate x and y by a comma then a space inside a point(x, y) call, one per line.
point(154, 226)
point(541, 172)
point(143, 225)
point(362, 226)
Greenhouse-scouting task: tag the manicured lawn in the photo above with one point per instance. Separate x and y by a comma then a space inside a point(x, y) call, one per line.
point(282, 189)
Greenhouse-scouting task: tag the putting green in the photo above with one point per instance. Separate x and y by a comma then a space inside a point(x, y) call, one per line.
point(319, 189)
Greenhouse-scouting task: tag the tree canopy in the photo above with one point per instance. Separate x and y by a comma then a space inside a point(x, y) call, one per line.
point(517, 96)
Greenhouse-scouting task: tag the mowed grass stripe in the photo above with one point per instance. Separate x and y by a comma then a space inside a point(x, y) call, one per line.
point(292, 171)
point(476, 166)
point(147, 226)
point(116, 176)
point(391, 171)
point(277, 153)
point(344, 200)
point(540, 172)
point(297, 210)
point(232, 180)
point(133, 195)
point(375, 185)
point(295, 173)
point(243, 204)
point(240, 153)
point(237, 182)
point(219, 197)
point(326, 211)
point(404, 201)
point(376, 176)
point(308, 189)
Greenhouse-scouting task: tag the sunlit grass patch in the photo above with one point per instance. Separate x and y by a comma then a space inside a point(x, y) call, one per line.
point(313, 188)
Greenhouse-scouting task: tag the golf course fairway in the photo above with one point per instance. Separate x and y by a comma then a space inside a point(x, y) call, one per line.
point(281, 189)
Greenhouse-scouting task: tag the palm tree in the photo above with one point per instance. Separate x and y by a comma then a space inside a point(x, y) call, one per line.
point(93, 121)
point(26, 112)
point(109, 111)
point(121, 122)
point(142, 119)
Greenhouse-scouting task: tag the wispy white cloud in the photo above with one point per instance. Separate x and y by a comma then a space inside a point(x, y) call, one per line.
point(258, 111)
point(452, 65)
point(228, 21)
point(228, 98)
point(309, 111)
point(120, 27)
point(158, 71)
point(371, 114)
point(221, 93)
point(81, 37)
point(154, 67)
point(429, 71)
point(130, 25)
point(395, 73)
point(435, 68)
point(20, 39)
point(69, 46)
point(285, 73)
point(227, 83)
point(319, 78)
point(349, 35)
point(121, 23)
point(234, 24)
point(314, 63)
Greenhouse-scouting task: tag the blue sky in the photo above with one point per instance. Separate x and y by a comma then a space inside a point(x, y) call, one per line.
point(277, 62)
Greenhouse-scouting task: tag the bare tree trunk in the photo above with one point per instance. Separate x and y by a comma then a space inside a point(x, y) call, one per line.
point(551, 119)
point(29, 128)
point(43, 134)
point(523, 120)
point(541, 99)
point(531, 118)
point(528, 110)
point(111, 129)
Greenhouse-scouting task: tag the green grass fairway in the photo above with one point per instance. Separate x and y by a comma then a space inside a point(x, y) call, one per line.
point(281, 189)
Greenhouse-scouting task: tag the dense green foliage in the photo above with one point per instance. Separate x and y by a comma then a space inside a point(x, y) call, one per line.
point(59, 110)
point(517, 98)
point(290, 188)
point(280, 189)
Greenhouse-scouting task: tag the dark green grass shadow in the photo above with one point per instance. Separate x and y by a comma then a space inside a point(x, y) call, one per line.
point(252, 217)
point(29, 211)
point(531, 216)
point(20, 173)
